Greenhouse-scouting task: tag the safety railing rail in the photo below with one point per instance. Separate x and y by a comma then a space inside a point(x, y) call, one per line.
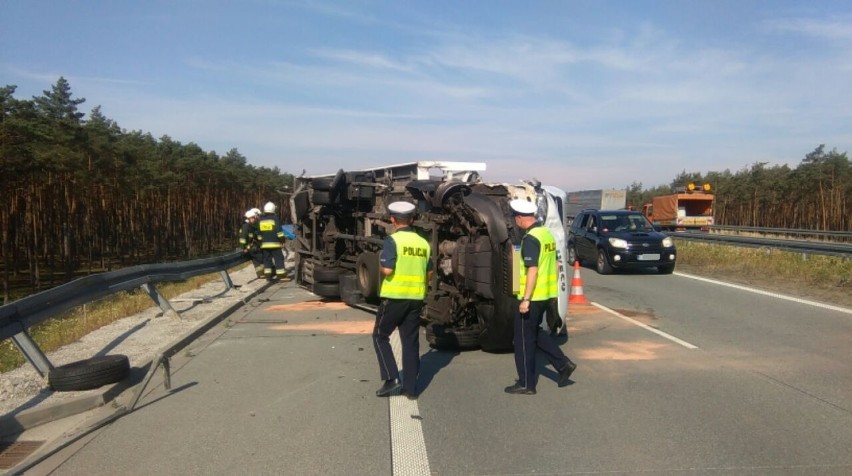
point(832, 235)
point(16, 318)
point(800, 246)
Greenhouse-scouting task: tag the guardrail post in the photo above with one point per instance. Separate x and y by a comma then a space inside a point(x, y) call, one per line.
point(167, 374)
point(159, 299)
point(227, 278)
point(32, 352)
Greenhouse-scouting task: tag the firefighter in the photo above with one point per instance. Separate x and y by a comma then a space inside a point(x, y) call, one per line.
point(249, 240)
point(271, 238)
point(537, 287)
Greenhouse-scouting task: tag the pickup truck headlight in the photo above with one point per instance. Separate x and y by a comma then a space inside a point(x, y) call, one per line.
point(618, 243)
point(667, 242)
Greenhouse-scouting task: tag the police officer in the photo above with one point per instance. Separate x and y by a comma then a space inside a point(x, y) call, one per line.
point(249, 240)
point(406, 268)
point(271, 238)
point(538, 285)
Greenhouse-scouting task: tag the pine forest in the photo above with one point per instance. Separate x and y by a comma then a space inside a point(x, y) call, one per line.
point(81, 195)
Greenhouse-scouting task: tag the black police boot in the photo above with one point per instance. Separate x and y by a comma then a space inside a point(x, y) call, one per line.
point(518, 390)
point(565, 373)
point(388, 388)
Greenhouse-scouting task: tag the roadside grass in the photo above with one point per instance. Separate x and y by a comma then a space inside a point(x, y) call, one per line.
point(69, 327)
point(815, 277)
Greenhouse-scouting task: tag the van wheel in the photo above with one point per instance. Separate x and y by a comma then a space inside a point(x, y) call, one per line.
point(452, 338)
point(323, 274)
point(367, 269)
point(329, 290)
point(321, 197)
point(667, 269)
point(349, 292)
point(603, 265)
point(89, 373)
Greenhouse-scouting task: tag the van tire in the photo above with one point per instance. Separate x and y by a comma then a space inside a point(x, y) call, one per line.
point(349, 292)
point(89, 373)
point(449, 338)
point(322, 197)
point(328, 290)
point(367, 270)
point(323, 274)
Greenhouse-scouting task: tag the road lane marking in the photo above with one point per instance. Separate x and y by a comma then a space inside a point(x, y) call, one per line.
point(408, 447)
point(308, 306)
point(646, 327)
point(335, 327)
point(767, 293)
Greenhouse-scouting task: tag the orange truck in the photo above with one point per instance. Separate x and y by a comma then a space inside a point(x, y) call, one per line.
point(689, 208)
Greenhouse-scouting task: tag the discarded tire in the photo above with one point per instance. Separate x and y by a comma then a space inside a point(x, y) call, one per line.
point(90, 373)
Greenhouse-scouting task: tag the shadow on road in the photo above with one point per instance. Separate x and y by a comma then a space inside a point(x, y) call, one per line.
point(431, 363)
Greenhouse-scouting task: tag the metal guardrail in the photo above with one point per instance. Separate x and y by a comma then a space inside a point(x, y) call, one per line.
point(799, 246)
point(18, 317)
point(835, 235)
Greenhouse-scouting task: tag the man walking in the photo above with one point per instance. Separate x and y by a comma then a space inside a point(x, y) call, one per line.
point(538, 285)
point(406, 267)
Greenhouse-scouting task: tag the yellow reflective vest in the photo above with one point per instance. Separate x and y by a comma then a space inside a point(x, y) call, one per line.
point(546, 283)
point(408, 280)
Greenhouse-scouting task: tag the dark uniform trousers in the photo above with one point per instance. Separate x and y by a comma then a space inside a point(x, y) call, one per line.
point(273, 258)
point(405, 314)
point(529, 337)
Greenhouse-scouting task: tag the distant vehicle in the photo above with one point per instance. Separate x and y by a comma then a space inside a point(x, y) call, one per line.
point(341, 221)
point(619, 239)
point(689, 208)
point(604, 199)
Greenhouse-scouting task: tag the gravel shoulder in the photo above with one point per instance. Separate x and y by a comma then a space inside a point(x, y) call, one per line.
point(140, 337)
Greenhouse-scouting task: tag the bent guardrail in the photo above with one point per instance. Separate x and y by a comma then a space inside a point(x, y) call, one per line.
point(18, 317)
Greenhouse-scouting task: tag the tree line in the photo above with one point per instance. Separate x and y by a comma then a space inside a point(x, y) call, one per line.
point(815, 195)
point(82, 195)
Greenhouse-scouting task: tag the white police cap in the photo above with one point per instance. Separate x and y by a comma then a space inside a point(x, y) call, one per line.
point(522, 207)
point(401, 209)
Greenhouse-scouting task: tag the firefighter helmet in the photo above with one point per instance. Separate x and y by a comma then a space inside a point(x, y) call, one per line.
point(269, 207)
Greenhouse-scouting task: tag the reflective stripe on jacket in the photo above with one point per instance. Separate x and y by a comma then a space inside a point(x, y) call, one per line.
point(408, 280)
point(248, 234)
point(270, 234)
point(546, 282)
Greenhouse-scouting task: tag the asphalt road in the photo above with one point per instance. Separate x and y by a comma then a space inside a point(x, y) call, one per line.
point(733, 383)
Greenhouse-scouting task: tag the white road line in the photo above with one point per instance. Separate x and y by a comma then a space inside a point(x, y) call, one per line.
point(408, 447)
point(646, 327)
point(767, 293)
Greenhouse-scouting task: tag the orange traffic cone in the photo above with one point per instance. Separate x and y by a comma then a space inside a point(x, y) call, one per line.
point(577, 296)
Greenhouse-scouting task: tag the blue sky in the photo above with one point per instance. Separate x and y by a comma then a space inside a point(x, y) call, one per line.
point(579, 94)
